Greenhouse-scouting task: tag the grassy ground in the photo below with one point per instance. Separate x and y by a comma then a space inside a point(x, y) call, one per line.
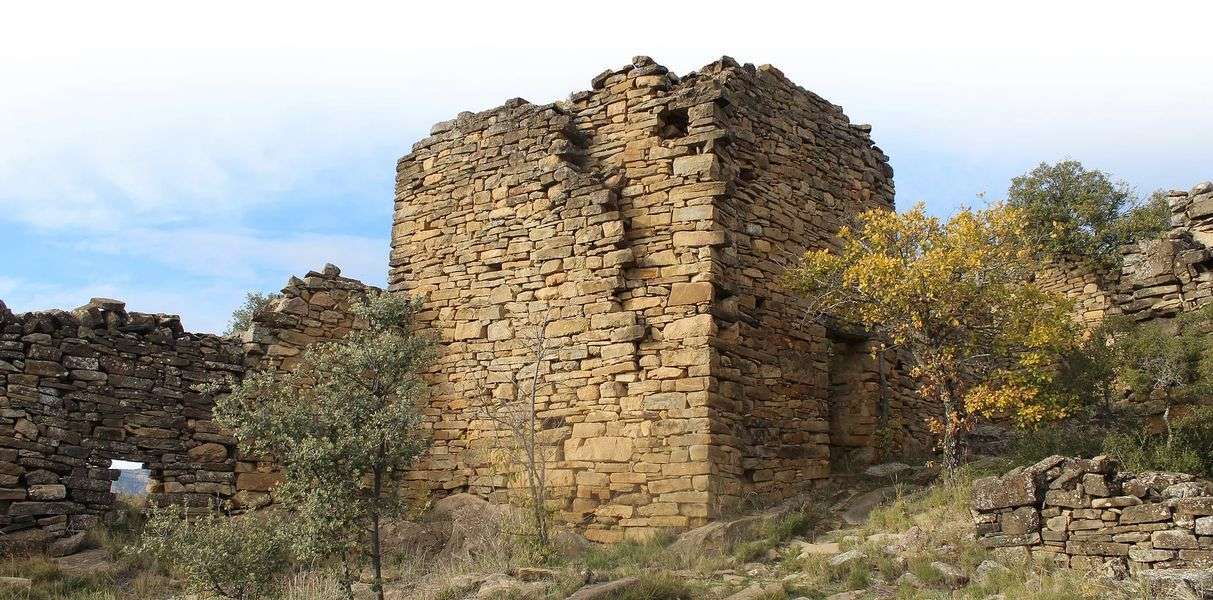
point(929, 530)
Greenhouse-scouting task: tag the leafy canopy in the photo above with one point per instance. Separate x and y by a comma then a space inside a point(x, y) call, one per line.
point(242, 318)
point(955, 297)
point(1081, 212)
point(1173, 359)
point(344, 425)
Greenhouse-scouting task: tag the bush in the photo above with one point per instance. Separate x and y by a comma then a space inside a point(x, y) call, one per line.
point(233, 557)
point(1190, 449)
point(242, 318)
point(1032, 445)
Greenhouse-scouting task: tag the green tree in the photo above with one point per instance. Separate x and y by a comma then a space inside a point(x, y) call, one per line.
point(232, 557)
point(345, 426)
point(1081, 212)
point(955, 297)
point(1167, 360)
point(242, 318)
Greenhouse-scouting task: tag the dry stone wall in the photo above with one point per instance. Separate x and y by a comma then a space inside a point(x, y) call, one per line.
point(640, 226)
point(1158, 279)
point(1089, 514)
point(80, 388)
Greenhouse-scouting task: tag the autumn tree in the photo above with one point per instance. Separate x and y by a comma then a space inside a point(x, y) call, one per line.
point(1075, 211)
point(344, 426)
point(955, 298)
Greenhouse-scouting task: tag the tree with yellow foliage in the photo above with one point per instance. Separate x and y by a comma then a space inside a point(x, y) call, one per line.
point(956, 298)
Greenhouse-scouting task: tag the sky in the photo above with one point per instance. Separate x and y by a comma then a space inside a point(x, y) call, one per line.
point(179, 155)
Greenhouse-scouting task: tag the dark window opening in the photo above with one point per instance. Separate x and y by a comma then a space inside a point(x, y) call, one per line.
point(673, 124)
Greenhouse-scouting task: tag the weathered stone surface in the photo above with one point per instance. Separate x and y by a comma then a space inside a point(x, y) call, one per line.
point(601, 591)
point(208, 453)
point(1173, 539)
point(1145, 513)
point(1090, 530)
point(1015, 489)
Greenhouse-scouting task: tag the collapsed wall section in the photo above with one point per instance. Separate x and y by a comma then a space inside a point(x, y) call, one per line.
point(1090, 514)
point(1157, 278)
point(79, 389)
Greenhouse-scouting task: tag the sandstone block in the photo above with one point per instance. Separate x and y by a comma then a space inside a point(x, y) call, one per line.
point(48, 492)
point(1145, 513)
point(607, 449)
point(470, 330)
point(257, 482)
point(696, 326)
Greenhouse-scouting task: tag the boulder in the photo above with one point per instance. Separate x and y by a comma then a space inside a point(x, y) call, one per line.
point(602, 591)
point(68, 545)
point(501, 586)
point(952, 576)
point(846, 557)
point(758, 591)
point(858, 509)
point(1188, 584)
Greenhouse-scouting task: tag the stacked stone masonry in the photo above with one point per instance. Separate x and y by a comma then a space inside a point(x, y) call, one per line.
point(1086, 513)
point(1159, 278)
point(79, 389)
point(642, 228)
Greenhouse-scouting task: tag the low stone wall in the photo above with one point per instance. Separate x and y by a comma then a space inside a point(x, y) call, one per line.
point(80, 388)
point(1088, 514)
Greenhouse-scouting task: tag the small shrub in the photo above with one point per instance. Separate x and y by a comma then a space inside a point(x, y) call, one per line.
point(658, 586)
point(232, 557)
point(242, 317)
point(629, 554)
point(1030, 446)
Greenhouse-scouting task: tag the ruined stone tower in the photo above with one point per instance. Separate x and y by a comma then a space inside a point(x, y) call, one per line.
point(643, 226)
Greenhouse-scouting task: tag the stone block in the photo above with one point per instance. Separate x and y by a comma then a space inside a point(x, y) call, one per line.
point(49, 491)
point(607, 449)
point(1012, 490)
point(1145, 513)
point(696, 326)
point(257, 481)
point(1173, 539)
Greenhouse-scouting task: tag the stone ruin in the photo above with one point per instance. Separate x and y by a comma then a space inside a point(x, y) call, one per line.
point(1089, 514)
point(1159, 278)
point(641, 227)
point(79, 389)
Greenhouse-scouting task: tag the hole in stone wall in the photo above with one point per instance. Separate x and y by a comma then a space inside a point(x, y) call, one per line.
point(133, 480)
point(673, 123)
point(747, 174)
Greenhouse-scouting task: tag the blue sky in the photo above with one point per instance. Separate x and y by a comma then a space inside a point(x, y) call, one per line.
point(177, 158)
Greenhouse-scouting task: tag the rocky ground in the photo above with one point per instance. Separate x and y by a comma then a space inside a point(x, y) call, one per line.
point(893, 532)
